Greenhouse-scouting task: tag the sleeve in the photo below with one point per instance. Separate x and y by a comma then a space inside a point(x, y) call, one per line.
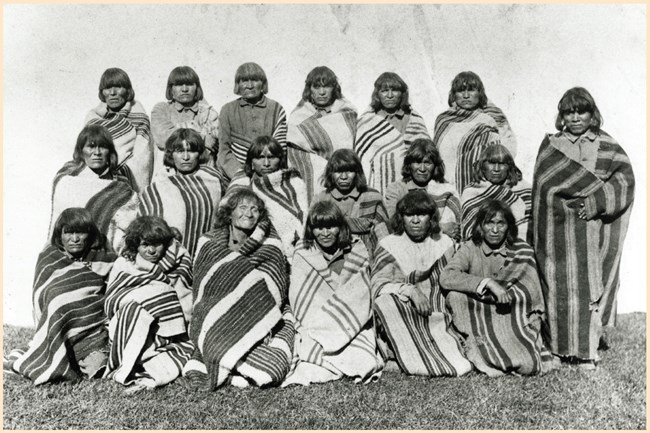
point(226, 160)
point(455, 276)
point(161, 124)
point(386, 278)
point(393, 194)
point(210, 128)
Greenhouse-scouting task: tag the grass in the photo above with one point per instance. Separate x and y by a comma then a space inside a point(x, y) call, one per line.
point(612, 397)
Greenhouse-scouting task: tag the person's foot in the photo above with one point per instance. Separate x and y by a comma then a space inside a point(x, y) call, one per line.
point(587, 365)
point(602, 343)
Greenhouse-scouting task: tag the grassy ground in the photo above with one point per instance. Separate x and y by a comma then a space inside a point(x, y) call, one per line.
point(612, 397)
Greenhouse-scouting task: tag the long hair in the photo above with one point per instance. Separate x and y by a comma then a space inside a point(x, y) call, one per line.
point(175, 141)
point(99, 136)
point(393, 81)
point(251, 71)
point(416, 202)
point(419, 150)
point(77, 220)
point(470, 81)
point(116, 77)
point(344, 160)
point(183, 75)
point(151, 229)
point(257, 147)
point(580, 100)
point(326, 214)
point(486, 212)
point(321, 75)
point(223, 217)
point(497, 153)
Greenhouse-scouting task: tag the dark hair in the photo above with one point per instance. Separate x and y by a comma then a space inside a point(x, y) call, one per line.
point(419, 150)
point(183, 75)
point(175, 142)
point(321, 75)
point(326, 214)
point(580, 100)
point(344, 160)
point(486, 212)
point(470, 81)
point(116, 77)
point(393, 81)
point(151, 229)
point(251, 71)
point(416, 202)
point(76, 219)
point(223, 217)
point(257, 147)
point(98, 135)
point(496, 153)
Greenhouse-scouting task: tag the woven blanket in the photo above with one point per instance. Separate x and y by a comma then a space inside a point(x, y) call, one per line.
point(517, 197)
point(111, 201)
point(461, 135)
point(381, 146)
point(502, 338)
point(187, 202)
point(69, 315)
point(241, 328)
point(423, 345)
point(131, 134)
point(314, 135)
point(579, 260)
point(149, 306)
point(334, 328)
point(240, 142)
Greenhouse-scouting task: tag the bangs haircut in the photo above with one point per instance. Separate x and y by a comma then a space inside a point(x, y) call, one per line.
point(489, 210)
point(497, 153)
point(151, 229)
point(344, 160)
point(390, 80)
point(419, 150)
point(183, 75)
point(116, 77)
point(175, 141)
point(257, 148)
point(76, 220)
point(251, 71)
point(326, 214)
point(580, 100)
point(97, 135)
point(470, 81)
point(223, 216)
point(321, 76)
point(416, 202)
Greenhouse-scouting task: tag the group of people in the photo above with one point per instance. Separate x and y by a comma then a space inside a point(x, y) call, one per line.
point(241, 247)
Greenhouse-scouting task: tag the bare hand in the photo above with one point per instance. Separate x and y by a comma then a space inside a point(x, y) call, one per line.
point(500, 293)
point(420, 302)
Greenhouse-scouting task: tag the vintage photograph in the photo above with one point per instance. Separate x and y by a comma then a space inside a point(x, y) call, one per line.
point(324, 216)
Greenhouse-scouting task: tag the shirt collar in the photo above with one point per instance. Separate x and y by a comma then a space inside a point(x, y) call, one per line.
point(503, 251)
point(410, 185)
point(180, 107)
point(589, 135)
point(261, 103)
point(398, 114)
point(339, 196)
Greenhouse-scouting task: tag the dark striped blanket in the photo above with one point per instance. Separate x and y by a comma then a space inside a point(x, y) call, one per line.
point(69, 314)
point(241, 326)
point(579, 260)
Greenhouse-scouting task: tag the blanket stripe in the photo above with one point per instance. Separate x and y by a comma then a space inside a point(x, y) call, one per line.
point(70, 322)
point(579, 260)
point(239, 326)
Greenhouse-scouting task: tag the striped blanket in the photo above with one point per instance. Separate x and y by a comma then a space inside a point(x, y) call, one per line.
point(241, 326)
point(461, 135)
point(381, 146)
point(187, 202)
point(110, 200)
point(68, 302)
point(240, 142)
point(579, 260)
point(426, 346)
point(149, 306)
point(501, 338)
point(285, 196)
point(334, 328)
point(314, 135)
point(130, 129)
point(475, 194)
